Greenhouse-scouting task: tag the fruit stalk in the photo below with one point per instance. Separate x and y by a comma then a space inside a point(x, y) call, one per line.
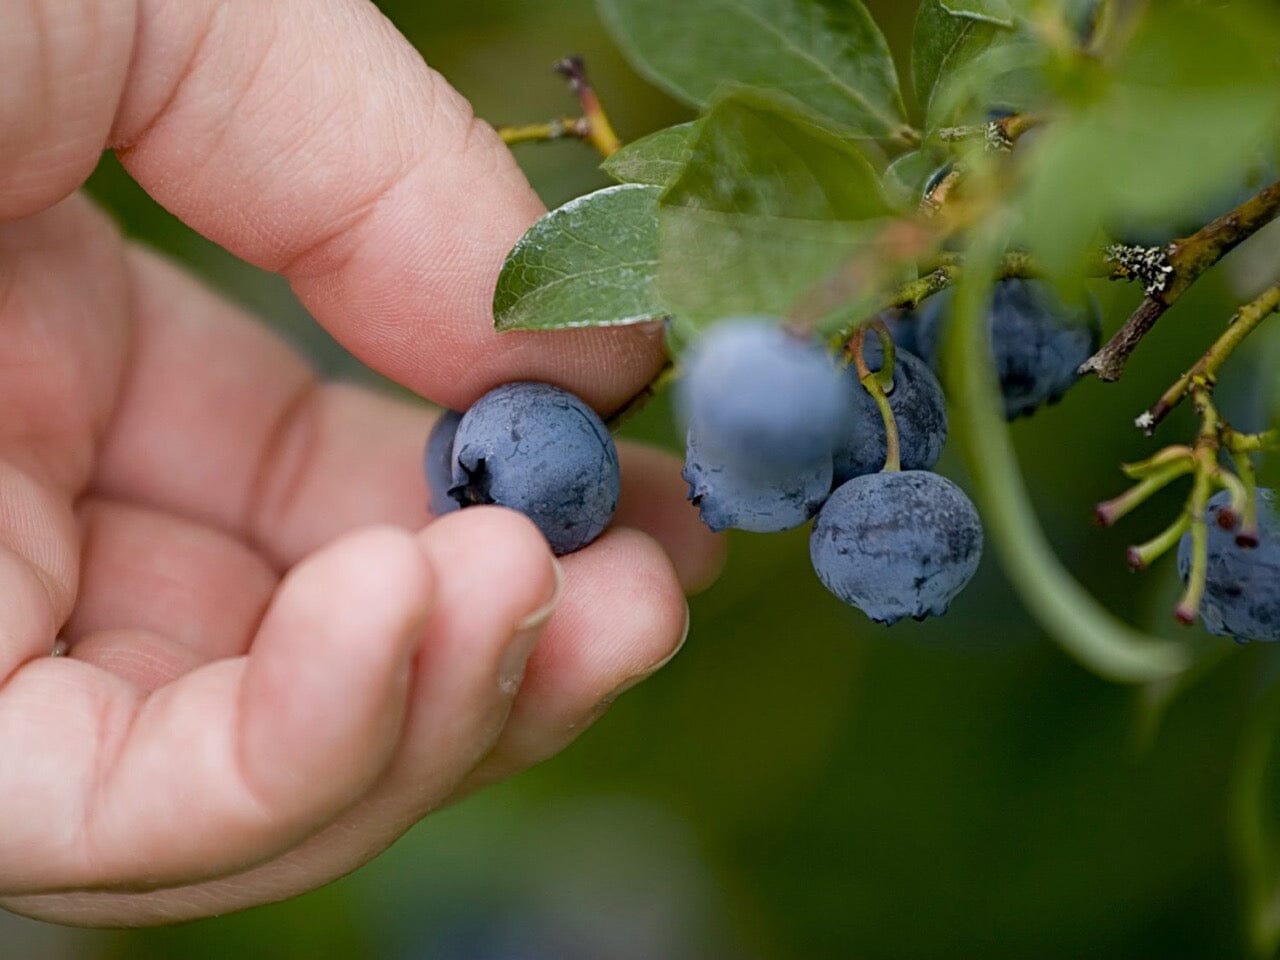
point(1205, 454)
point(871, 383)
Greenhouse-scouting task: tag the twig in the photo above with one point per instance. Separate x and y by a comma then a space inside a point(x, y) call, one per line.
point(599, 130)
point(1187, 259)
point(1205, 371)
point(592, 127)
point(999, 134)
point(562, 128)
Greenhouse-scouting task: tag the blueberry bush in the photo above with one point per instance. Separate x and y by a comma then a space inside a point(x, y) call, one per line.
point(817, 252)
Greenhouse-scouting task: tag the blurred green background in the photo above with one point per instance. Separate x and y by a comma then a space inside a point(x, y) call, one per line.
point(798, 783)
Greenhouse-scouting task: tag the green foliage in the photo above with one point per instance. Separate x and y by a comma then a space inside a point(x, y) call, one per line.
point(770, 201)
point(942, 43)
point(655, 160)
point(829, 53)
point(775, 189)
point(904, 179)
point(590, 263)
point(1004, 71)
point(1159, 129)
point(999, 12)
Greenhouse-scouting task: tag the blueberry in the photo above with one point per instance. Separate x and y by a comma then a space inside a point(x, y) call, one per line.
point(728, 495)
point(1242, 589)
point(1039, 341)
point(897, 545)
point(437, 463)
point(918, 406)
point(768, 397)
point(540, 450)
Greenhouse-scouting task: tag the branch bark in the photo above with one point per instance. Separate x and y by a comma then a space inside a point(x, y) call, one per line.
point(1187, 259)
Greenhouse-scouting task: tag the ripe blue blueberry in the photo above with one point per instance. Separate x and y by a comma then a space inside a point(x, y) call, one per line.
point(897, 545)
point(1242, 588)
point(437, 463)
point(540, 450)
point(1039, 341)
point(762, 501)
point(918, 406)
point(768, 398)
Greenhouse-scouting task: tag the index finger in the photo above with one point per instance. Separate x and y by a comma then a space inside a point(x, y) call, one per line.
point(309, 138)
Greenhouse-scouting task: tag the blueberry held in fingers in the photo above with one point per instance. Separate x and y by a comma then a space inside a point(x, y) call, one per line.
point(540, 450)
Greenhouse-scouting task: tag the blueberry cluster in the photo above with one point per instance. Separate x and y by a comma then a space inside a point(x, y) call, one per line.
point(1242, 586)
point(534, 448)
point(778, 433)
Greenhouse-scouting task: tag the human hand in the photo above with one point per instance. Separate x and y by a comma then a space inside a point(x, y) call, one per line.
point(276, 664)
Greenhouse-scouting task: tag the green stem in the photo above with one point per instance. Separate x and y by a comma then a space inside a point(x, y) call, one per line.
point(1081, 626)
point(1142, 555)
point(870, 383)
point(1189, 606)
point(1245, 321)
point(1248, 533)
point(561, 128)
point(1254, 442)
point(1144, 468)
point(1112, 510)
point(1206, 469)
point(889, 352)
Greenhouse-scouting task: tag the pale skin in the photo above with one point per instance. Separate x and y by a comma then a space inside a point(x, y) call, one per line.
point(278, 661)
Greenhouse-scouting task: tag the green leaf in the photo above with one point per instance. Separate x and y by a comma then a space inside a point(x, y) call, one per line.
point(969, 56)
point(590, 263)
point(761, 153)
point(904, 179)
point(1082, 627)
point(942, 45)
point(828, 53)
point(769, 203)
point(656, 159)
point(1164, 136)
point(999, 12)
point(1005, 70)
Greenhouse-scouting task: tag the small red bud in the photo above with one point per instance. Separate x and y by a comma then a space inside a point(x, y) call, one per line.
point(1133, 557)
point(1228, 519)
point(1184, 615)
point(1102, 515)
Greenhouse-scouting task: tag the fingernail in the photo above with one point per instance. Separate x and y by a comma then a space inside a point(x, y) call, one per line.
point(640, 678)
point(511, 667)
